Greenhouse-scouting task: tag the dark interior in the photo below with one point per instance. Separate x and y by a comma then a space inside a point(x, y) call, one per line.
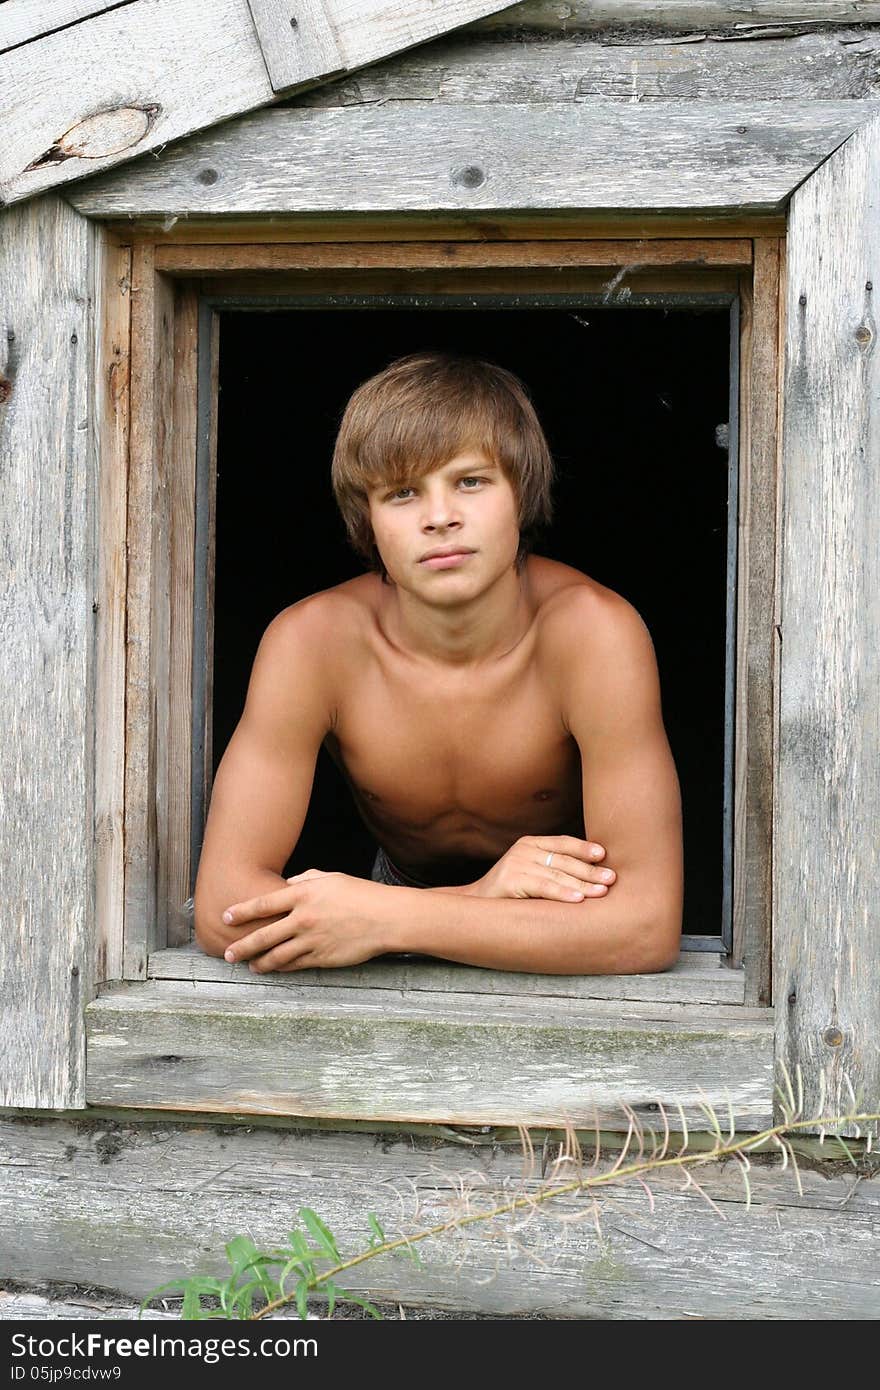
point(630, 399)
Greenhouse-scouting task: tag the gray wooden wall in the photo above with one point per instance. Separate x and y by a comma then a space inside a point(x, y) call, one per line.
point(127, 1205)
point(47, 648)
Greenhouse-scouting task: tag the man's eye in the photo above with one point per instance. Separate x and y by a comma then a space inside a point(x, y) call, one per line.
point(472, 480)
point(400, 491)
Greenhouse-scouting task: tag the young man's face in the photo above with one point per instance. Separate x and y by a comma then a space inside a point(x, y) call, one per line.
point(467, 510)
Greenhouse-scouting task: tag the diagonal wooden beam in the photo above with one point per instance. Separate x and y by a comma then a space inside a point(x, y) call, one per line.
point(127, 81)
point(702, 157)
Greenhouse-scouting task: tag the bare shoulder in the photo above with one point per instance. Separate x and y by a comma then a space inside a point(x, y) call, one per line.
point(308, 647)
point(571, 604)
point(598, 646)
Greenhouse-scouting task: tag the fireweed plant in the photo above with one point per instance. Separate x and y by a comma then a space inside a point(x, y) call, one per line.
point(309, 1264)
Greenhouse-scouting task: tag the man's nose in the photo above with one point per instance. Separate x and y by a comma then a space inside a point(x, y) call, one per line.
point(441, 511)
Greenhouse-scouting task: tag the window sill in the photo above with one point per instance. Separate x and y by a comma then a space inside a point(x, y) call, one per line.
point(698, 977)
point(414, 1041)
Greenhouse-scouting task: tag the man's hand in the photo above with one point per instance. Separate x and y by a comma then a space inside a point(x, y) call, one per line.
point(332, 919)
point(523, 872)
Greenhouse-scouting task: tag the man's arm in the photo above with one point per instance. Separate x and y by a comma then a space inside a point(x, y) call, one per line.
point(632, 806)
point(262, 787)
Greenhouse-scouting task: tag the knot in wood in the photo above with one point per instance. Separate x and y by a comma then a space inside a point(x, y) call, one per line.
point(5, 389)
point(207, 176)
point(468, 176)
point(833, 1037)
point(105, 133)
point(863, 334)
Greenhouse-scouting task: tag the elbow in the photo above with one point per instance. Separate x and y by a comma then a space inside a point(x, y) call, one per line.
point(209, 939)
point(208, 930)
point(660, 948)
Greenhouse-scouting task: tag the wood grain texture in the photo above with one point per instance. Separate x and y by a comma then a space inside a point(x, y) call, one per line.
point(410, 227)
point(203, 260)
point(827, 861)
point(756, 615)
point(149, 619)
point(174, 854)
point(461, 1059)
point(22, 21)
point(130, 1206)
point(127, 81)
point(123, 83)
point(487, 69)
point(47, 627)
point(722, 16)
point(112, 403)
point(297, 48)
point(702, 157)
point(698, 977)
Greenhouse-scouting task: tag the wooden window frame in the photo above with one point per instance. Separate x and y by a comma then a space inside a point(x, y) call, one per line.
point(169, 279)
point(175, 337)
point(379, 1047)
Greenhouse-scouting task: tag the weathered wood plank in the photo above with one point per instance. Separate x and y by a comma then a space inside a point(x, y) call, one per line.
point(296, 48)
point(454, 1058)
point(148, 611)
point(22, 21)
point(112, 383)
point(702, 157)
point(698, 978)
point(211, 260)
point(827, 851)
point(127, 81)
point(47, 627)
point(756, 615)
point(712, 15)
point(461, 227)
point(487, 70)
point(46, 1307)
point(174, 864)
point(131, 1206)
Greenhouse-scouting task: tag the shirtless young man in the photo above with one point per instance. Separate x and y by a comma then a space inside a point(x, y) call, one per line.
point(485, 705)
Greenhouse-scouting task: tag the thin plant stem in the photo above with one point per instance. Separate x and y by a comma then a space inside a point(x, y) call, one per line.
point(617, 1173)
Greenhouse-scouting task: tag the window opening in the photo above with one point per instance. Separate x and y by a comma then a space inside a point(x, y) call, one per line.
point(639, 405)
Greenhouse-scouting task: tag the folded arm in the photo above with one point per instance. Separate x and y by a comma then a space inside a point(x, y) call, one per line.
point(608, 679)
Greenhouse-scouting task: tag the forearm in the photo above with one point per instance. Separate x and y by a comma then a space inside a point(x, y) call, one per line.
point(214, 893)
point(599, 936)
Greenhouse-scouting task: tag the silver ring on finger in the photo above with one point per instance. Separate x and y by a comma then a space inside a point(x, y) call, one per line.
point(547, 860)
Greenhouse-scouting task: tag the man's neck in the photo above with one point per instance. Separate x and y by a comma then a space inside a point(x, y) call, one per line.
point(470, 634)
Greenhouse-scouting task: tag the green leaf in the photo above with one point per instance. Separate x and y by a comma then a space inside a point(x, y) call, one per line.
point(353, 1298)
point(270, 1286)
point(846, 1149)
point(376, 1228)
point(299, 1245)
point(239, 1252)
point(331, 1291)
point(319, 1232)
point(412, 1253)
point(302, 1297)
point(193, 1289)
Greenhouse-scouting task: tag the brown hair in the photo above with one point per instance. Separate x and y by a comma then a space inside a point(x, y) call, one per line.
point(419, 413)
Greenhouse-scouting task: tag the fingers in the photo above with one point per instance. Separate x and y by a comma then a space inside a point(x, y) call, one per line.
point(571, 868)
point(566, 890)
point(266, 905)
point(586, 850)
point(290, 955)
point(263, 939)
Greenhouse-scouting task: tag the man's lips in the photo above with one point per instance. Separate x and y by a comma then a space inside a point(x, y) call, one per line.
point(445, 559)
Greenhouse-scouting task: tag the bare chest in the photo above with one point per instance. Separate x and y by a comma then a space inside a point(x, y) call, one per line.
point(458, 759)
